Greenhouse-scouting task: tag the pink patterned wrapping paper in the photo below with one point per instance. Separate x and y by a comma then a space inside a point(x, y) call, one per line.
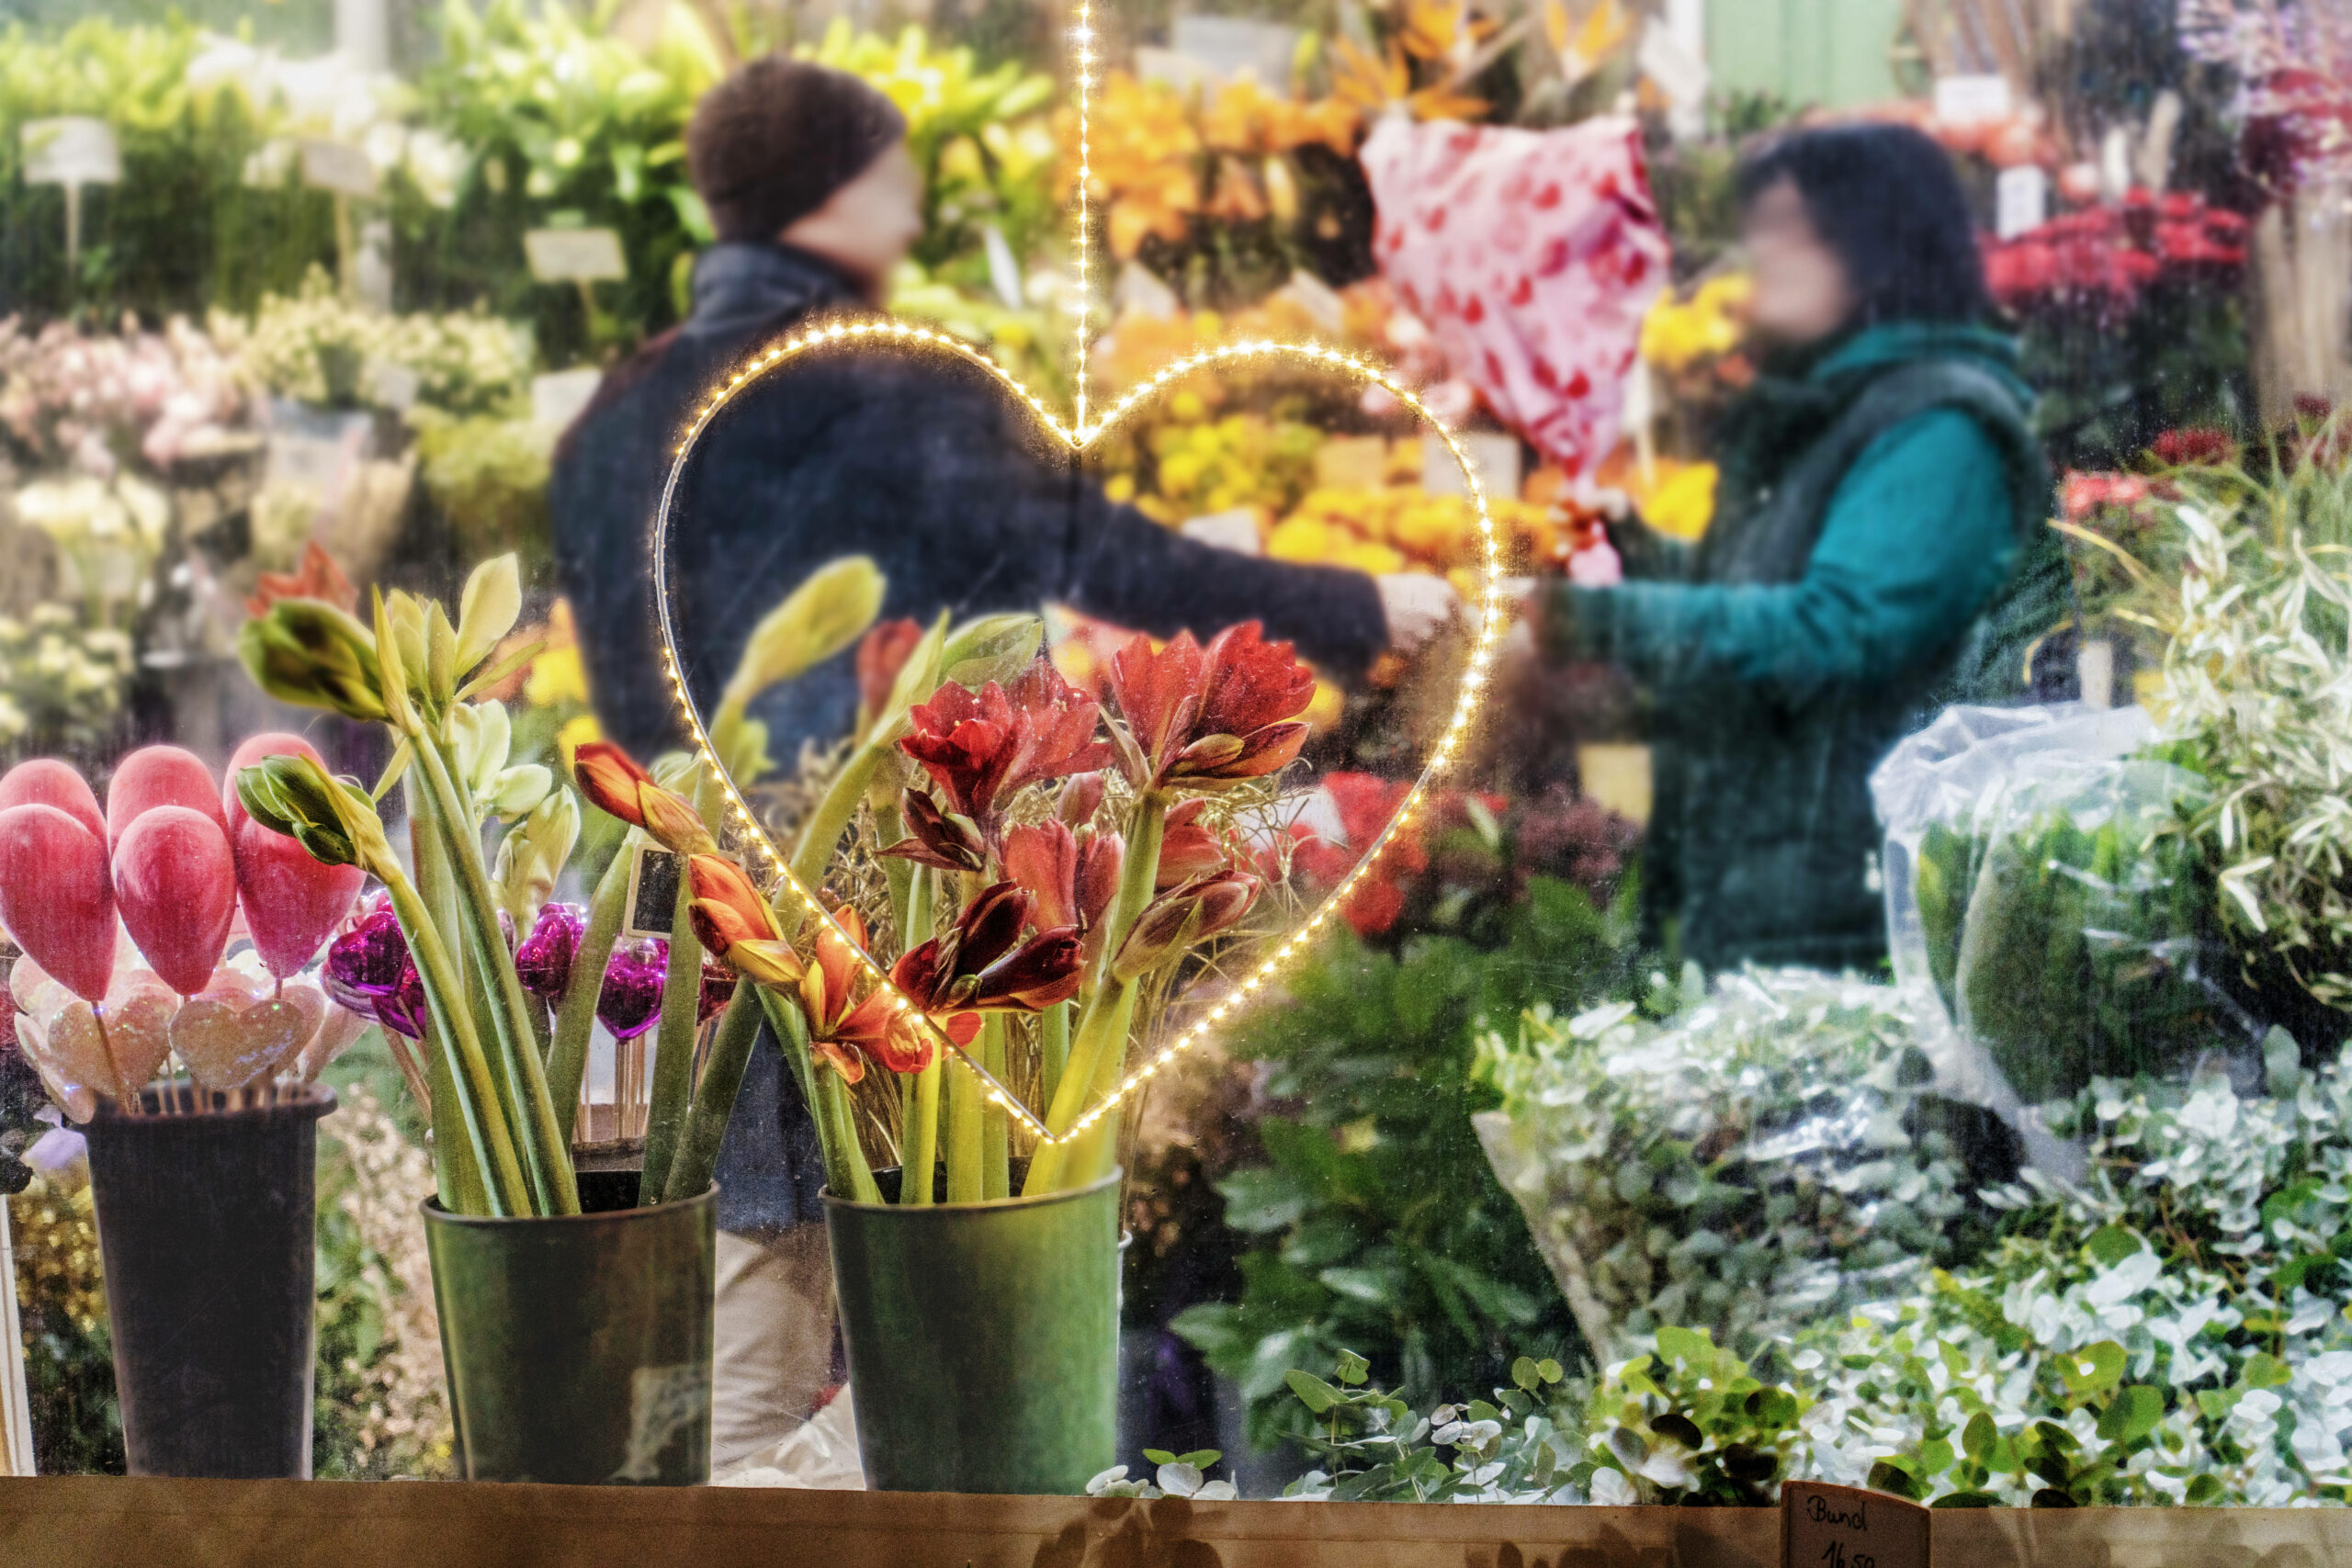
point(1532, 255)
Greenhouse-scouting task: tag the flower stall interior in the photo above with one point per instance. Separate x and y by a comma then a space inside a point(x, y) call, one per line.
point(1194, 839)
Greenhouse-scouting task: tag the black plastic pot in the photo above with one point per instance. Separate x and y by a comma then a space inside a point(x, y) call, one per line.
point(206, 1227)
point(578, 1349)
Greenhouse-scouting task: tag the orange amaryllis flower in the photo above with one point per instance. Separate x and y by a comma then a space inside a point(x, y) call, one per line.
point(983, 966)
point(1211, 715)
point(612, 781)
point(733, 922)
point(845, 1033)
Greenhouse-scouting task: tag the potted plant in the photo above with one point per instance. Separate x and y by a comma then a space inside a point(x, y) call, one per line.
point(1020, 877)
point(203, 1180)
point(575, 1305)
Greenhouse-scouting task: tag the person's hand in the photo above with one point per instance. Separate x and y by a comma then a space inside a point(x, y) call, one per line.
point(1417, 606)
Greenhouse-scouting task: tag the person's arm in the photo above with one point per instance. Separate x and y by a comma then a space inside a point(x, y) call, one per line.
point(1918, 538)
point(1126, 569)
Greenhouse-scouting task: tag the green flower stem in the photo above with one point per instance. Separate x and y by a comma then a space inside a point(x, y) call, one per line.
point(673, 1053)
point(457, 1166)
point(845, 1171)
point(814, 854)
point(722, 1075)
point(963, 1137)
point(575, 1018)
point(919, 1160)
point(996, 1169)
point(474, 1090)
point(545, 1152)
point(1109, 1004)
point(1102, 1042)
point(899, 875)
point(1053, 1048)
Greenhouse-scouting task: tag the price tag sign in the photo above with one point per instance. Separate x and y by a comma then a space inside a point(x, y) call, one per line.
point(1972, 100)
point(72, 151)
point(575, 255)
point(337, 166)
point(1846, 1527)
point(2020, 200)
point(559, 396)
point(654, 879)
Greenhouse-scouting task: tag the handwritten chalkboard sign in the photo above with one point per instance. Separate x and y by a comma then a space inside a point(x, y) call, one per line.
point(1846, 1527)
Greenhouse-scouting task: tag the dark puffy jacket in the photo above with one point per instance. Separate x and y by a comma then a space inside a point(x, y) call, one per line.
point(1878, 551)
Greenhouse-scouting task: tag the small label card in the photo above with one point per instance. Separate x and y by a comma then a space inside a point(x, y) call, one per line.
point(73, 150)
point(575, 255)
point(653, 883)
point(337, 166)
point(1848, 1526)
point(1972, 100)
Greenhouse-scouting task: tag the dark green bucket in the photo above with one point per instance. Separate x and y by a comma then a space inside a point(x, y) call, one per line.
point(983, 1338)
point(578, 1349)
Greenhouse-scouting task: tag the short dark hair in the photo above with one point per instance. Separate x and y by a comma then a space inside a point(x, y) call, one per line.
point(772, 142)
point(1887, 200)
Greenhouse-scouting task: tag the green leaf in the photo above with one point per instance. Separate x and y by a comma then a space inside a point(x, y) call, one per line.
point(1976, 1438)
point(1686, 1347)
point(1352, 1369)
point(2111, 1245)
point(1525, 1373)
point(487, 610)
point(2264, 1370)
point(2093, 1368)
point(1313, 1391)
point(1159, 1456)
point(1889, 1475)
point(1935, 1457)
point(2133, 1415)
point(1199, 1458)
point(1966, 1500)
point(2204, 1489)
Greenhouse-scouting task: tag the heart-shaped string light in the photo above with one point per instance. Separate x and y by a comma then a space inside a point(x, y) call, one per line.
point(1079, 434)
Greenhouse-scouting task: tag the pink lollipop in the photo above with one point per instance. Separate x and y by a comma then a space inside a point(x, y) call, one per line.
point(55, 897)
point(292, 903)
point(161, 775)
point(44, 780)
point(176, 883)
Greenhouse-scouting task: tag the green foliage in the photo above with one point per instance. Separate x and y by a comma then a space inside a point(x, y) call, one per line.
point(1375, 1223)
point(183, 230)
point(1755, 1161)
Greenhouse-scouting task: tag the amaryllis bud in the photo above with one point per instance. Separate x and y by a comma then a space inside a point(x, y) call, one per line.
point(630, 1003)
point(1187, 850)
point(946, 840)
point(610, 778)
point(1175, 922)
point(544, 961)
point(731, 920)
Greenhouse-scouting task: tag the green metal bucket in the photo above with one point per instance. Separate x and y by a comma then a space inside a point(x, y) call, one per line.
point(578, 1349)
point(983, 1338)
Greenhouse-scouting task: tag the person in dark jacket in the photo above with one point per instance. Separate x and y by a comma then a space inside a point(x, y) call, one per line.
point(1878, 550)
point(909, 456)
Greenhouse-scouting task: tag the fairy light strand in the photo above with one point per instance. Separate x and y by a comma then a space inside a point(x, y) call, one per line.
point(1077, 435)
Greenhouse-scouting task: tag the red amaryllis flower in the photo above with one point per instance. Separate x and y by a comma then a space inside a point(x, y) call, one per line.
point(1215, 713)
point(845, 1033)
point(614, 783)
point(1071, 876)
point(982, 965)
point(881, 654)
point(1176, 921)
point(979, 747)
point(1364, 803)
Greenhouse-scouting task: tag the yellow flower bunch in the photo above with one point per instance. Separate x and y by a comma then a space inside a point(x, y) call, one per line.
point(1139, 171)
point(1403, 528)
point(1246, 119)
point(1679, 334)
point(1243, 460)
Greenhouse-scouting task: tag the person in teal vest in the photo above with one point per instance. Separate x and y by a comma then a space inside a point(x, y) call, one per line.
point(1878, 549)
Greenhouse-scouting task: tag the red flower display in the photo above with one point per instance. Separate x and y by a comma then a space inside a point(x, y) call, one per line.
point(1071, 876)
point(1211, 715)
point(844, 1033)
point(2102, 258)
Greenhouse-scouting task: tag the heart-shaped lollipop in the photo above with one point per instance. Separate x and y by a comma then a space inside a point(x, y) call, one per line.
point(292, 903)
point(161, 775)
point(56, 898)
point(78, 1060)
point(177, 886)
point(230, 1037)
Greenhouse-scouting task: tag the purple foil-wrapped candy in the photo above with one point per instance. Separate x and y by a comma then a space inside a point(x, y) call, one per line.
point(544, 961)
point(368, 971)
point(630, 1003)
